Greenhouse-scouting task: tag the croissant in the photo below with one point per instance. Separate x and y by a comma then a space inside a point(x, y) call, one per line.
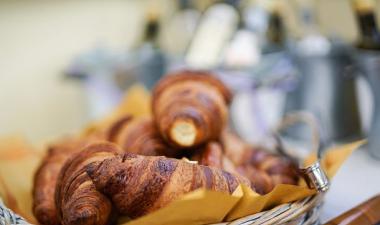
point(212, 155)
point(76, 198)
point(136, 135)
point(234, 147)
point(282, 169)
point(140, 136)
point(113, 129)
point(261, 181)
point(190, 108)
point(139, 184)
point(251, 161)
point(46, 177)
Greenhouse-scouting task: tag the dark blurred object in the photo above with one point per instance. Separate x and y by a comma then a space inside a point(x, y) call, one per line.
point(275, 31)
point(327, 89)
point(366, 19)
point(149, 55)
point(367, 213)
point(275, 34)
point(98, 60)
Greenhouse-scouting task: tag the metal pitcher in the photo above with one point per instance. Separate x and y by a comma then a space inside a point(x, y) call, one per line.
point(368, 63)
point(326, 88)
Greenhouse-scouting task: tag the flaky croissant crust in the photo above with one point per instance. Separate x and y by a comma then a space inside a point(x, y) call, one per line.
point(189, 75)
point(76, 198)
point(190, 108)
point(46, 176)
point(139, 185)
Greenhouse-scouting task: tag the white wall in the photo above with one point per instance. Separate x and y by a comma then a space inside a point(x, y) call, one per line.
point(37, 41)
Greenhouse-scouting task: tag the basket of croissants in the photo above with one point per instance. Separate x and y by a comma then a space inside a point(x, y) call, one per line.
point(130, 167)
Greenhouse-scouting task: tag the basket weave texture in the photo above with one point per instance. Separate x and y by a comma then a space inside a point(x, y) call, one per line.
point(303, 212)
point(8, 217)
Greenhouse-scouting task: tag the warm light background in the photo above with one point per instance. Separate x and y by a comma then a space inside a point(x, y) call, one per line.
point(38, 38)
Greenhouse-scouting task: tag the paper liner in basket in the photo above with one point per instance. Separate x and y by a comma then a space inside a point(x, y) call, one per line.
point(198, 207)
point(18, 161)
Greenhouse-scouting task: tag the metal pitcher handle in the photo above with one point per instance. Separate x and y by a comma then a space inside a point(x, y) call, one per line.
point(313, 174)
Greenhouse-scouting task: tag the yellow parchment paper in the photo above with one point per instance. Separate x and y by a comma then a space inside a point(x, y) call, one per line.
point(19, 160)
point(198, 207)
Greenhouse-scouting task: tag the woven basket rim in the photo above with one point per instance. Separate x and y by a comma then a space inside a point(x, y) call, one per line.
point(280, 214)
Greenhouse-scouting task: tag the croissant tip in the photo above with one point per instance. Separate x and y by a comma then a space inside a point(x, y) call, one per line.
point(183, 133)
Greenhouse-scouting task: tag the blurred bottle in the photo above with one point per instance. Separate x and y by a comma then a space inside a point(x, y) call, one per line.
point(312, 42)
point(369, 33)
point(151, 60)
point(180, 28)
point(243, 51)
point(216, 28)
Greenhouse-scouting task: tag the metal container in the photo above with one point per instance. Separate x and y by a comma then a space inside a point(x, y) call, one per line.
point(368, 63)
point(326, 88)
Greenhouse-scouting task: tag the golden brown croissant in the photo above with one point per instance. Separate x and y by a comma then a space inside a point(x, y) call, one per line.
point(260, 180)
point(282, 169)
point(190, 108)
point(234, 147)
point(140, 136)
point(76, 198)
point(136, 135)
point(249, 160)
point(46, 177)
point(212, 155)
point(263, 181)
point(139, 184)
point(113, 129)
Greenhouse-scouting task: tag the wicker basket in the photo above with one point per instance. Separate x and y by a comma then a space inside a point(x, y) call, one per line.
point(8, 217)
point(304, 212)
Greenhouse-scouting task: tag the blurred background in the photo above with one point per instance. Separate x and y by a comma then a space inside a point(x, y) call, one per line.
point(66, 63)
point(41, 39)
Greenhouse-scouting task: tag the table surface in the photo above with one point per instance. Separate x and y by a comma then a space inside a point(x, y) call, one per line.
point(357, 181)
